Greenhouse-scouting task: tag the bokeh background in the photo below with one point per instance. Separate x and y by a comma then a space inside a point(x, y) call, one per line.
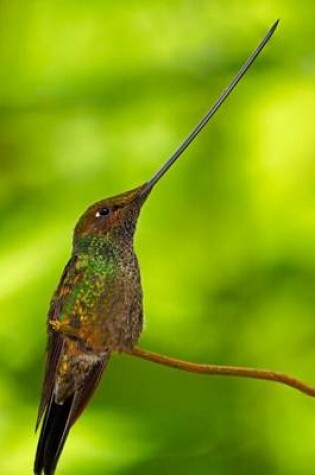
point(94, 96)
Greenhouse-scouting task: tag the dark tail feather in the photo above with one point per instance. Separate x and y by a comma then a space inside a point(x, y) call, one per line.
point(58, 420)
point(53, 435)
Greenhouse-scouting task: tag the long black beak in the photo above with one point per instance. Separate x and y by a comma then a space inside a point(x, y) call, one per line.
point(211, 112)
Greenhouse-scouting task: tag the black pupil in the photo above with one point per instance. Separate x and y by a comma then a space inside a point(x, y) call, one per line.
point(104, 211)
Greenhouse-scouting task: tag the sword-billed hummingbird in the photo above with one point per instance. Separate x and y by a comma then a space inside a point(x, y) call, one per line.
point(97, 307)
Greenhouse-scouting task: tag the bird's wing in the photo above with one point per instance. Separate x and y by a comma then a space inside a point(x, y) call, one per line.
point(72, 274)
point(58, 418)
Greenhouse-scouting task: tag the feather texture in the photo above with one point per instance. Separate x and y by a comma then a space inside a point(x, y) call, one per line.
point(58, 420)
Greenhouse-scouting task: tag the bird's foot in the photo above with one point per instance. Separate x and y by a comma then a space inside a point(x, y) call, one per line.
point(64, 327)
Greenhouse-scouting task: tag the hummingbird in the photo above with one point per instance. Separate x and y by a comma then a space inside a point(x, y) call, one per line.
point(97, 307)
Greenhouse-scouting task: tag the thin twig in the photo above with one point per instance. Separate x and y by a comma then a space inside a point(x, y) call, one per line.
point(242, 372)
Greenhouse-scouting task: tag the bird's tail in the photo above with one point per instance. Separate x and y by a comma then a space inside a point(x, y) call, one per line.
point(59, 418)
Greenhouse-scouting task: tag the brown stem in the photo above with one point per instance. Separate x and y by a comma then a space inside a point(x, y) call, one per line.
point(219, 370)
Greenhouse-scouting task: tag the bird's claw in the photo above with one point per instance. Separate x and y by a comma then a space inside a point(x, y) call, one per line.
point(61, 326)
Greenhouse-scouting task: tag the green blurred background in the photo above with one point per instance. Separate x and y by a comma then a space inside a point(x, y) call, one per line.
point(94, 96)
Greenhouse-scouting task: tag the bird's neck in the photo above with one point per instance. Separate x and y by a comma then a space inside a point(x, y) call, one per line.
point(103, 245)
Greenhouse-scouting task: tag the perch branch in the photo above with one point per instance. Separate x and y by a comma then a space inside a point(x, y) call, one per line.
point(238, 371)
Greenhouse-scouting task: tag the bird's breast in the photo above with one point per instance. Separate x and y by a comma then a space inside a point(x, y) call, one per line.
point(105, 310)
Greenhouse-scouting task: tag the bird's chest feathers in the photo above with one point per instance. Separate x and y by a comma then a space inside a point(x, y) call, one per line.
point(104, 308)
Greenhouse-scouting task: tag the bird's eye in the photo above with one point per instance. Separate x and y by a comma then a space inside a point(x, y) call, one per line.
point(102, 212)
